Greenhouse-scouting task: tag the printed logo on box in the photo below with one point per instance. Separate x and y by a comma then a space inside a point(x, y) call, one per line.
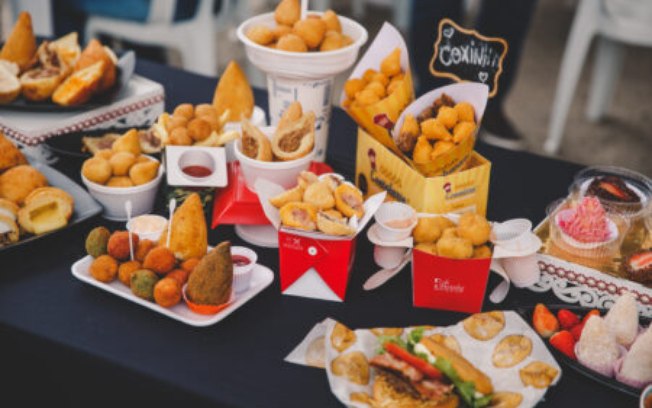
point(384, 178)
point(444, 285)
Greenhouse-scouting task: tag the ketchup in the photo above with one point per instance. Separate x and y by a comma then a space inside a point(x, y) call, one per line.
point(197, 171)
point(240, 260)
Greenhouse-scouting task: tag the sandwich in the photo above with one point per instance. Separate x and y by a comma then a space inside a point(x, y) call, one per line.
point(420, 372)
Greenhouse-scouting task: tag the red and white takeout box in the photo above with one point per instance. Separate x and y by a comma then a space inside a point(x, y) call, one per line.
point(313, 264)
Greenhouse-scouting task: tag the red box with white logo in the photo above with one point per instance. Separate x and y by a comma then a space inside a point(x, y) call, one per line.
point(449, 284)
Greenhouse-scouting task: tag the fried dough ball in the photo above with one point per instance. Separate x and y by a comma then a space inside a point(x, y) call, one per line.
point(280, 30)
point(179, 137)
point(288, 196)
point(474, 227)
point(118, 245)
point(369, 75)
point(189, 264)
point(456, 248)
point(332, 41)
point(291, 42)
point(433, 129)
point(463, 130)
point(366, 97)
point(347, 39)
point(185, 110)
point(440, 148)
point(444, 223)
point(391, 65)
point(126, 269)
point(449, 233)
point(299, 215)
point(465, 112)
point(332, 21)
point(447, 116)
point(180, 275)
point(377, 88)
point(422, 150)
point(97, 170)
point(104, 154)
point(177, 121)
point(353, 86)
point(394, 83)
point(292, 113)
point(212, 120)
point(311, 30)
point(160, 260)
point(306, 178)
point(167, 292)
point(260, 34)
point(349, 201)
point(143, 248)
point(104, 268)
point(429, 247)
point(141, 173)
point(121, 162)
point(205, 109)
point(199, 129)
point(119, 182)
point(482, 252)
point(382, 78)
point(287, 12)
point(320, 195)
point(426, 230)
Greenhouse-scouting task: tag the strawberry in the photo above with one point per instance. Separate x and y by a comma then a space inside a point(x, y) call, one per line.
point(576, 331)
point(564, 342)
point(567, 319)
point(593, 312)
point(544, 322)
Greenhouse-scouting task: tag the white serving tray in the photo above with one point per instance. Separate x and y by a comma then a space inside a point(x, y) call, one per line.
point(260, 279)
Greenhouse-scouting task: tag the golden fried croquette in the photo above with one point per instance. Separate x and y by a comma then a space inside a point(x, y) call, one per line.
point(118, 245)
point(189, 264)
point(447, 116)
point(306, 178)
point(179, 137)
point(104, 268)
point(119, 182)
point(332, 41)
point(291, 114)
point(160, 260)
point(141, 173)
point(426, 230)
point(465, 112)
point(311, 30)
point(280, 30)
point(353, 86)
point(391, 65)
point(205, 109)
point(185, 110)
point(121, 162)
point(474, 227)
point(377, 88)
point(212, 120)
point(143, 247)
point(97, 170)
point(167, 292)
point(482, 252)
point(104, 154)
point(199, 129)
point(319, 195)
point(366, 97)
point(10, 155)
point(126, 269)
point(394, 83)
point(177, 121)
point(444, 223)
point(299, 215)
point(128, 142)
point(260, 34)
point(422, 150)
point(288, 196)
point(349, 201)
point(291, 42)
point(369, 75)
point(408, 134)
point(429, 247)
point(382, 78)
point(454, 247)
point(433, 129)
point(441, 147)
point(463, 130)
point(17, 182)
point(332, 21)
point(180, 275)
point(287, 12)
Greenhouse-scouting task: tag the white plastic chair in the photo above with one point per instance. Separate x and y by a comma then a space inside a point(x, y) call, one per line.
point(615, 22)
point(194, 38)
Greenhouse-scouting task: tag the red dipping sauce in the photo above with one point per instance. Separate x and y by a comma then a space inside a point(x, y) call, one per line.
point(240, 260)
point(197, 171)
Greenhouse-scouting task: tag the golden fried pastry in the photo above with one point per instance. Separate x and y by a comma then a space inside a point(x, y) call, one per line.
point(381, 78)
point(362, 398)
point(332, 41)
point(211, 283)
point(9, 231)
point(391, 64)
point(121, 162)
point(444, 223)
point(455, 248)
point(377, 88)
point(441, 147)
point(128, 142)
point(353, 86)
point(306, 178)
point(291, 42)
point(353, 366)
point(119, 182)
point(185, 110)
point(333, 225)
point(93, 53)
point(46, 209)
point(20, 46)
point(316, 353)
point(349, 201)
point(212, 120)
point(292, 113)
point(8, 209)
point(387, 331)
point(394, 83)
point(342, 337)
point(205, 109)
point(474, 227)
point(407, 137)
point(280, 30)
point(104, 154)
point(450, 232)
point(332, 181)
point(79, 87)
point(465, 112)
point(288, 196)
point(426, 230)
point(433, 129)
point(39, 84)
point(296, 140)
point(189, 236)
point(17, 182)
point(369, 75)
point(287, 12)
point(429, 247)
point(10, 155)
point(299, 215)
point(482, 252)
point(447, 116)
point(97, 170)
point(260, 34)
point(538, 374)
point(463, 130)
point(180, 137)
point(447, 341)
point(484, 326)
point(141, 173)
point(67, 49)
point(254, 143)
point(126, 269)
point(366, 97)
point(422, 150)
point(504, 399)
point(311, 31)
point(334, 214)
point(104, 268)
point(511, 350)
point(199, 129)
point(332, 21)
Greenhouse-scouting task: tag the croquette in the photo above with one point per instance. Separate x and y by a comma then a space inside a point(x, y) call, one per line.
point(104, 268)
point(160, 260)
point(118, 246)
point(126, 269)
point(143, 248)
point(180, 275)
point(96, 241)
point(142, 283)
point(167, 292)
point(189, 264)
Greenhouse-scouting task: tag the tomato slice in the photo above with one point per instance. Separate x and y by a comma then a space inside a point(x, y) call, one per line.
point(422, 365)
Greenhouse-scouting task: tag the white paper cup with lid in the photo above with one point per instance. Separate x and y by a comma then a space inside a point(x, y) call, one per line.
point(244, 261)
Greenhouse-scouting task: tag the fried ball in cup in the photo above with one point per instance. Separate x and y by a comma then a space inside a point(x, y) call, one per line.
point(426, 230)
point(332, 21)
point(291, 42)
point(185, 110)
point(447, 116)
point(474, 227)
point(455, 248)
point(97, 170)
point(199, 129)
point(465, 112)
point(104, 268)
point(160, 260)
point(177, 121)
point(167, 292)
point(482, 252)
point(332, 41)
point(142, 173)
point(205, 109)
point(287, 12)
point(391, 65)
point(280, 30)
point(353, 86)
point(104, 154)
point(463, 130)
point(429, 247)
point(143, 248)
point(119, 182)
point(260, 34)
point(118, 245)
point(311, 30)
point(121, 162)
point(126, 269)
point(179, 137)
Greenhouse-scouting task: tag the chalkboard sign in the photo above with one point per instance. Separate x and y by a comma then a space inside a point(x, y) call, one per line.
point(466, 55)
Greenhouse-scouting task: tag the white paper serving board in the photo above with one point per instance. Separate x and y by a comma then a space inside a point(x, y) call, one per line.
point(261, 277)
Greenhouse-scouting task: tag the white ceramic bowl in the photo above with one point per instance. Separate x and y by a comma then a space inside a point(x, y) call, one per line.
point(394, 211)
point(242, 274)
point(302, 65)
point(283, 173)
point(113, 199)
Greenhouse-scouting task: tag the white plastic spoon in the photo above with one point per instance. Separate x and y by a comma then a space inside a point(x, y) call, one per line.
point(172, 206)
point(131, 244)
point(379, 278)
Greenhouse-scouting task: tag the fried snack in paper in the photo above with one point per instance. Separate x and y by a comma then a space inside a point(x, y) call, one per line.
point(505, 399)
point(211, 281)
point(342, 337)
point(79, 87)
point(333, 225)
point(288, 196)
point(311, 31)
point(319, 195)
point(233, 94)
point(538, 374)
point(20, 46)
point(299, 215)
point(296, 139)
point(349, 201)
point(189, 236)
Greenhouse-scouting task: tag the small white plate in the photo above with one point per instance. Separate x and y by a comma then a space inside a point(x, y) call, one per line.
point(261, 278)
point(372, 235)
